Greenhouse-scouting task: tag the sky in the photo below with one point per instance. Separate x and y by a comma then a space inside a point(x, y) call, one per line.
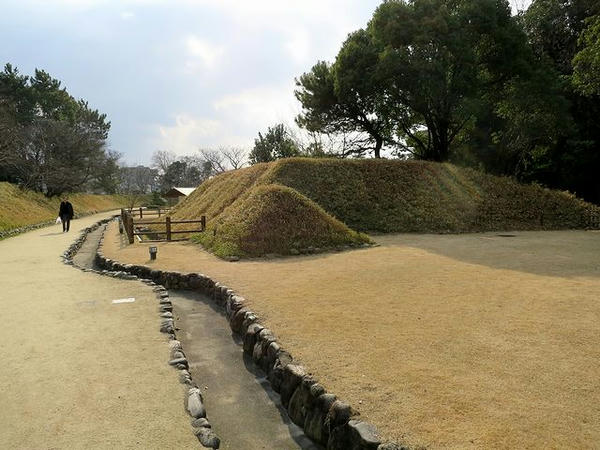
point(180, 75)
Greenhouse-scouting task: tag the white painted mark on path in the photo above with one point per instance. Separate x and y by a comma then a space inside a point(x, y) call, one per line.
point(124, 300)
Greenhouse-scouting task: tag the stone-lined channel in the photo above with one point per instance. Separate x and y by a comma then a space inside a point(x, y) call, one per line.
point(243, 409)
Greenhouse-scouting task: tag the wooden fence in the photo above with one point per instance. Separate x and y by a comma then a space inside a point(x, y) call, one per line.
point(148, 211)
point(132, 229)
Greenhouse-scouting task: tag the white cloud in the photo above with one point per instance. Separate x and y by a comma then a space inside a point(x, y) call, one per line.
point(299, 46)
point(186, 134)
point(201, 53)
point(126, 15)
point(257, 108)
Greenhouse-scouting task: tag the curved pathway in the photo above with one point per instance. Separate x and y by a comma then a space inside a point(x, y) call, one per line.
point(77, 370)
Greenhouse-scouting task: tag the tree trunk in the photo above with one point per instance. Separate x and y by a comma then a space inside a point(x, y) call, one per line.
point(440, 140)
point(378, 145)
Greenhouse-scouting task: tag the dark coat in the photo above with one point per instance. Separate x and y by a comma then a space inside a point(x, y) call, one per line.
point(66, 209)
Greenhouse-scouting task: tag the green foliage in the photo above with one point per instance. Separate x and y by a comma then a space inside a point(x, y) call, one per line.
point(275, 144)
point(586, 63)
point(50, 141)
point(346, 97)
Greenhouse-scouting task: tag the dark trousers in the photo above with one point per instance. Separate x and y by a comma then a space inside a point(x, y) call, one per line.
point(66, 221)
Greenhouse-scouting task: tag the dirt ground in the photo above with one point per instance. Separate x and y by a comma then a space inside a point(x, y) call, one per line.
point(78, 371)
point(442, 341)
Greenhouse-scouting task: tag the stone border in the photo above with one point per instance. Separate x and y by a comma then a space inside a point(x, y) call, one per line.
point(323, 417)
point(193, 401)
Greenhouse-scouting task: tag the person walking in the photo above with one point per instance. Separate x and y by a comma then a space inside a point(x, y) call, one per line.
point(65, 213)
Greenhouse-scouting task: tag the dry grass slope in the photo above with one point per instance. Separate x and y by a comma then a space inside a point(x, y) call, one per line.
point(20, 207)
point(365, 195)
point(275, 219)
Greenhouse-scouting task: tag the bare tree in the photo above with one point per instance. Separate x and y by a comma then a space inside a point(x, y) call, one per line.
point(215, 158)
point(235, 156)
point(162, 159)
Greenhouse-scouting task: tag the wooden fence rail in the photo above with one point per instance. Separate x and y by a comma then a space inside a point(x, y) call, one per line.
point(129, 226)
point(148, 211)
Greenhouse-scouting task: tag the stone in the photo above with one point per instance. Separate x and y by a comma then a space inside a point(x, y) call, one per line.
point(166, 315)
point(270, 356)
point(238, 319)
point(275, 375)
point(167, 326)
point(355, 435)
point(250, 337)
point(201, 423)
point(292, 376)
point(265, 340)
point(177, 354)
point(164, 294)
point(175, 345)
point(185, 377)
point(166, 308)
point(249, 319)
point(207, 437)
point(234, 304)
point(179, 361)
point(301, 400)
point(194, 404)
point(339, 414)
point(392, 446)
point(315, 425)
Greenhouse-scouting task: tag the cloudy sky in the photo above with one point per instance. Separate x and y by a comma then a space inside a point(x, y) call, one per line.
point(179, 75)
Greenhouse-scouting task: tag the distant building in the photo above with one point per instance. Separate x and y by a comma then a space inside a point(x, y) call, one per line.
point(176, 194)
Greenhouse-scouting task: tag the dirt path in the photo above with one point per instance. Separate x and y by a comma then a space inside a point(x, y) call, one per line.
point(78, 371)
point(457, 341)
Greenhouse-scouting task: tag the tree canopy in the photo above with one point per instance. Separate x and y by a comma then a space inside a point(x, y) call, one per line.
point(274, 144)
point(49, 141)
point(467, 81)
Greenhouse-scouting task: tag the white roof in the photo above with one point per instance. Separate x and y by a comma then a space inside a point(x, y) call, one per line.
point(184, 191)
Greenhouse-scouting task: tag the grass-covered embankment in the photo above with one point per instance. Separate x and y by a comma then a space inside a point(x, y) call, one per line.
point(300, 202)
point(275, 219)
point(21, 207)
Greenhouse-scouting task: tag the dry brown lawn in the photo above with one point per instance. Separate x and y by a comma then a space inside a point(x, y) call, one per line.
point(442, 341)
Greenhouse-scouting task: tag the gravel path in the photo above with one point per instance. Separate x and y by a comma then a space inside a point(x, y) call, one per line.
point(77, 370)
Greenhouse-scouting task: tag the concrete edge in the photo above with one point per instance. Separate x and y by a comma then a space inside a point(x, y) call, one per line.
point(193, 401)
point(324, 418)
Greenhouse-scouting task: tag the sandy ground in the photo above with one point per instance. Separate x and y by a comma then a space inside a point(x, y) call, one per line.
point(444, 341)
point(77, 371)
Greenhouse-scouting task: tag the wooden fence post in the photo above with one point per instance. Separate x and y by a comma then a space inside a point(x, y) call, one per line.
point(158, 211)
point(130, 229)
point(168, 226)
point(203, 222)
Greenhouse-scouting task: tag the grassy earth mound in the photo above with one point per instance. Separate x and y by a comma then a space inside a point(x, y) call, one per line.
point(367, 196)
point(421, 196)
point(275, 219)
point(20, 207)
